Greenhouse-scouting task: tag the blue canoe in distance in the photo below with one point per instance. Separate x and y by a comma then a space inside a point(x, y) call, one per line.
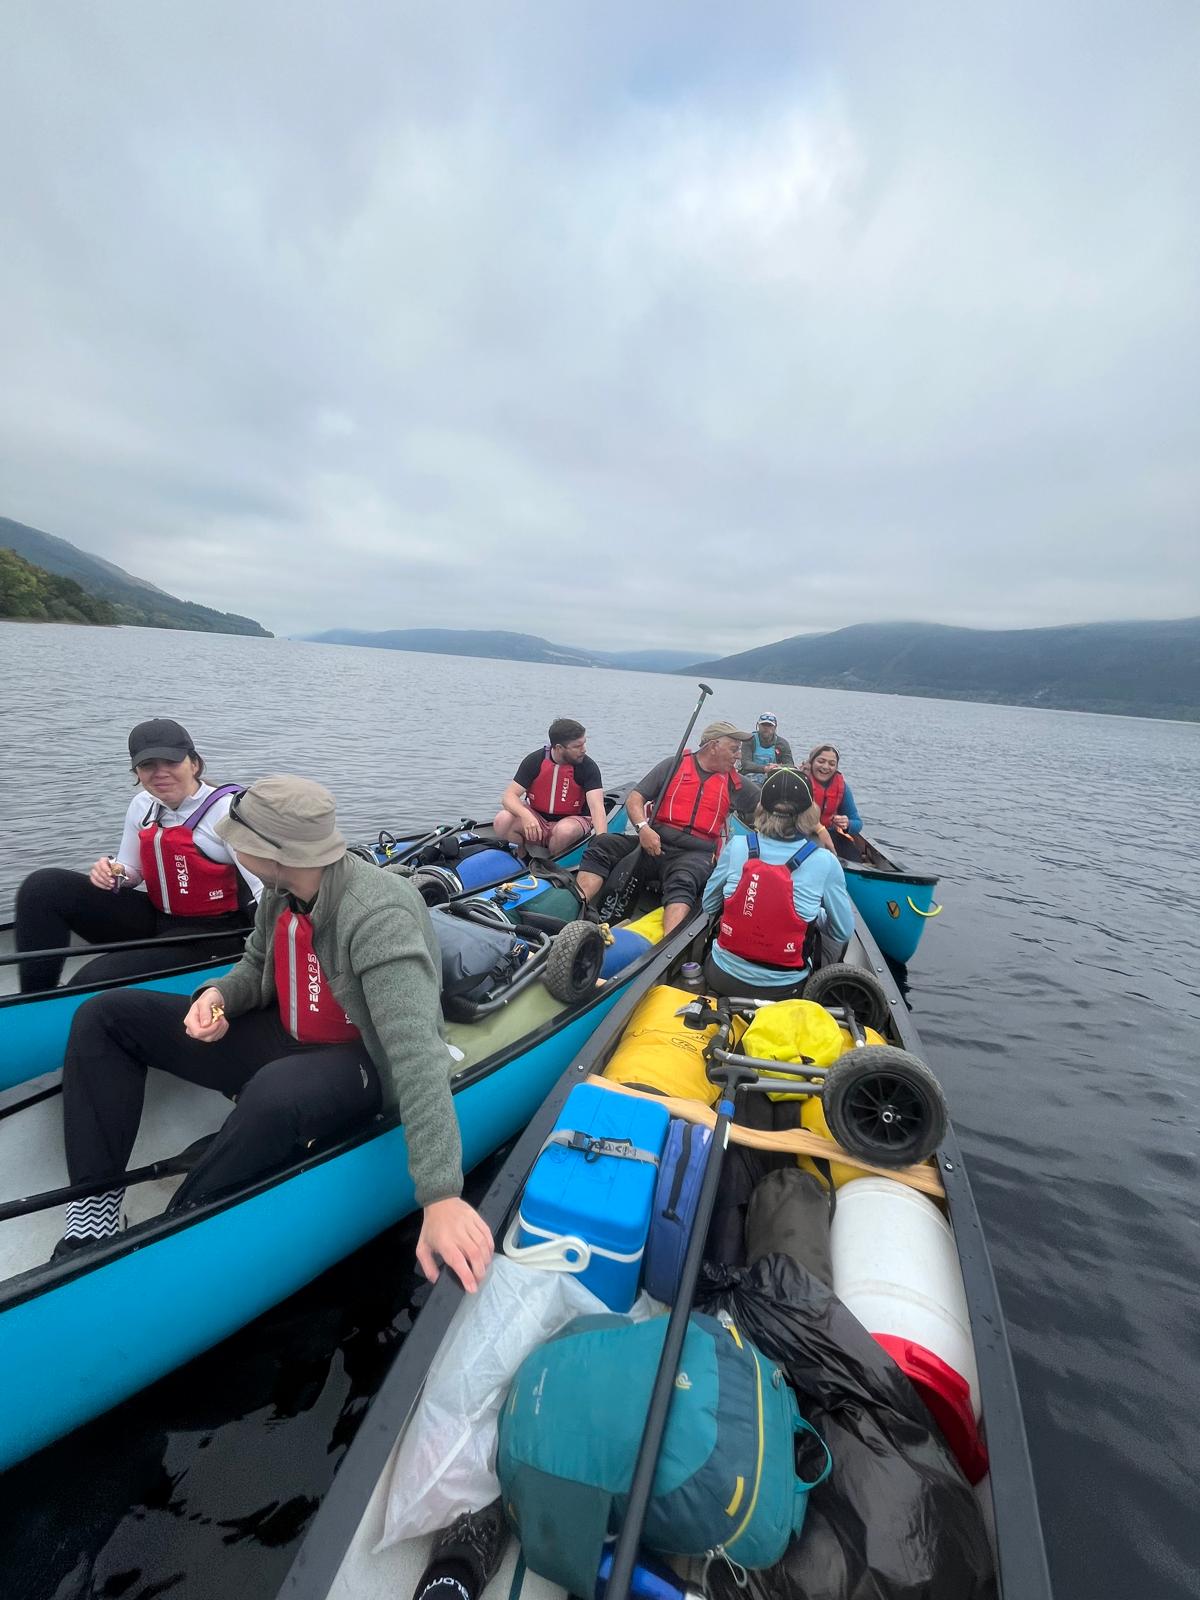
point(894, 903)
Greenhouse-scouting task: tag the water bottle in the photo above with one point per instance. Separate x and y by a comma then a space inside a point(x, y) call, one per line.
point(118, 872)
point(691, 976)
point(651, 1579)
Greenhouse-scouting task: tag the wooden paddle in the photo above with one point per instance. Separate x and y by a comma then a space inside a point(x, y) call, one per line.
point(791, 1141)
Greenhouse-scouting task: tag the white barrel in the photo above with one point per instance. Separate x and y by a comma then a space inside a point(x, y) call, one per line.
point(895, 1266)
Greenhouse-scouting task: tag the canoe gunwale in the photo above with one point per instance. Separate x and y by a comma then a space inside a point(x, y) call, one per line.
point(51, 1275)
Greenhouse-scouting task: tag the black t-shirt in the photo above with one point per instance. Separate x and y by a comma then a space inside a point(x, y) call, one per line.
point(743, 799)
point(587, 773)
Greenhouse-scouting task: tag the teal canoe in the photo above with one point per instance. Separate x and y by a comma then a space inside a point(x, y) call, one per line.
point(78, 1336)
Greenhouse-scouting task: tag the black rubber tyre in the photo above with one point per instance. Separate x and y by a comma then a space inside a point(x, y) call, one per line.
point(884, 1106)
point(853, 988)
point(435, 885)
point(574, 963)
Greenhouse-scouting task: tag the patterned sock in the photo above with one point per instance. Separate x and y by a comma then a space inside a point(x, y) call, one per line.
point(98, 1217)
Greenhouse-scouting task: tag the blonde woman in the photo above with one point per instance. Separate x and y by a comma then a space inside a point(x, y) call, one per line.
point(778, 889)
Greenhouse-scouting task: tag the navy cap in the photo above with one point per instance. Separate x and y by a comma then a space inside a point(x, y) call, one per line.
point(160, 739)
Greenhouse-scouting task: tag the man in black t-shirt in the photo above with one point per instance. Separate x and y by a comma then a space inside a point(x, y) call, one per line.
point(556, 797)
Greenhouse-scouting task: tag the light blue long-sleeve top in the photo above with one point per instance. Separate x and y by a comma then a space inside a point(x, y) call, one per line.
point(818, 893)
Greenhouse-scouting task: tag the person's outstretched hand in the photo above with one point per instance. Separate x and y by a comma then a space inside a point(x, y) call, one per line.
point(454, 1234)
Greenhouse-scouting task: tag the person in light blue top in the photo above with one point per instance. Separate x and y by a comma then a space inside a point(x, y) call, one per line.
point(778, 890)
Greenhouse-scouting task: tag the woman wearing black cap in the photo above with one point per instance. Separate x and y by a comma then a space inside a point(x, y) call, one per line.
point(192, 880)
point(773, 888)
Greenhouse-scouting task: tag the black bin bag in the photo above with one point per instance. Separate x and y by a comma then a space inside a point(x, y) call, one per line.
point(896, 1519)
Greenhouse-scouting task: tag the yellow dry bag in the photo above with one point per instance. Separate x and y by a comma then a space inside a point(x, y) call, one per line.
point(790, 1031)
point(657, 1051)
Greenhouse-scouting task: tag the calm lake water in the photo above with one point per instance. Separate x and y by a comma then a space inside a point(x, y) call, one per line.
point(1057, 998)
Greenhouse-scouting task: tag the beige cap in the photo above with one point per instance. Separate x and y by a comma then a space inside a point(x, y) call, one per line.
point(723, 730)
point(286, 819)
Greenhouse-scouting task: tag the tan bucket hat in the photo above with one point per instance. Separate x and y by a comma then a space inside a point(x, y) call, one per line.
point(286, 819)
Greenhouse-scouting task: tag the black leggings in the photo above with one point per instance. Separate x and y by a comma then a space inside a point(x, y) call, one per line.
point(290, 1097)
point(53, 903)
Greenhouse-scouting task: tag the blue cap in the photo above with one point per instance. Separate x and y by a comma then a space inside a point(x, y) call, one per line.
point(769, 716)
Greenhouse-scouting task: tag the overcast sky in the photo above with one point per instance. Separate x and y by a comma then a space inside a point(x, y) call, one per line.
point(621, 323)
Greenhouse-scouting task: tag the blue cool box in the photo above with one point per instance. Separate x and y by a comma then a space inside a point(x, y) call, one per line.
point(603, 1199)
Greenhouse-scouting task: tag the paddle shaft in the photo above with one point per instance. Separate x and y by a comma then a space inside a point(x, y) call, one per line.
point(168, 1167)
point(89, 950)
point(625, 1554)
point(705, 691)
point(627, 866)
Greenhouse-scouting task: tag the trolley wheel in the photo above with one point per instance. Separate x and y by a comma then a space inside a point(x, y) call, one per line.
point(884, 1106)
point(854, 989)
point(436, 886)
point(574, 962)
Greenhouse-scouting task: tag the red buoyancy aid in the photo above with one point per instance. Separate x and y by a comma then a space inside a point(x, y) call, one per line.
point(759, 921)
point(308, 1008)
point(695, 801)
point(180, 879)
point(555, 792)
point(828, 796)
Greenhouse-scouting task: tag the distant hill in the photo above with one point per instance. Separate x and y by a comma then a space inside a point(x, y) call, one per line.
point(1140, 669)
point(135, 601)
point(648, 660)
point(501, 646)
point(30, 594)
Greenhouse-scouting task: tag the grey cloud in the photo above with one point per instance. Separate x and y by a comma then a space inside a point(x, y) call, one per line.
point(576, 320)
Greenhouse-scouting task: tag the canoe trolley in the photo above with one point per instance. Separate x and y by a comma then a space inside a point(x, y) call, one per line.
point(881, 1104)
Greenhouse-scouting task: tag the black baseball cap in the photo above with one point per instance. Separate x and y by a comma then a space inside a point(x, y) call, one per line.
point(160, 739)
point(788, 788)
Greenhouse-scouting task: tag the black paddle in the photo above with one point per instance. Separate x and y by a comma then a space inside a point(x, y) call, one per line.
point(168, 1167)
point(88, 950)
point(732, 1076)
point(621, 885)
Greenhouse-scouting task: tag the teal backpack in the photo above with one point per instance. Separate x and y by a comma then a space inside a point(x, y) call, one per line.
point(726, 1480)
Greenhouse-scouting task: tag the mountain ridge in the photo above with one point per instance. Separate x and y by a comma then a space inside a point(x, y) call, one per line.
point(1144, 669)
point(136, 601)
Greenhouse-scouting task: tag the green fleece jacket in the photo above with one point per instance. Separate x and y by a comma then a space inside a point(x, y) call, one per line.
point(376, 946)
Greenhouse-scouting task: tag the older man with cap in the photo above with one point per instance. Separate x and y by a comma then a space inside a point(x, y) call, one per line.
point(169, 849)
point(690, 801)
point(766, 748)
point(779, 889)
point(331, 1016)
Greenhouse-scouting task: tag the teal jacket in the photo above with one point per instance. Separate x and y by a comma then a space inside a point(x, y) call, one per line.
point(376, 946)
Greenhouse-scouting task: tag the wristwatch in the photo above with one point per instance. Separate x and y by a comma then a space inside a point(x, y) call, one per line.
point(644, 823)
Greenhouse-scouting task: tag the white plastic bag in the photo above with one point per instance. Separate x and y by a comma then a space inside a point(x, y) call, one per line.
point(447, 1456)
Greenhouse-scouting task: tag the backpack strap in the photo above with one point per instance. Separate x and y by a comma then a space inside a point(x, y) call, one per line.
point(752, 849)
point(210, 801)
point(802, 855)
point(593, 1148)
